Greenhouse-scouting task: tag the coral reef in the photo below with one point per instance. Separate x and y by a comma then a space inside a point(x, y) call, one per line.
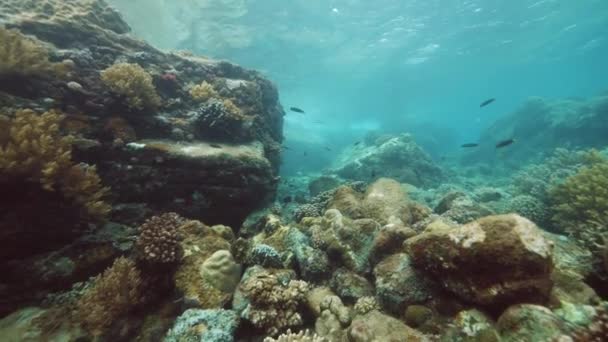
point(113, 294)
point(159, 239)
point(133, 83)
point(302, 336)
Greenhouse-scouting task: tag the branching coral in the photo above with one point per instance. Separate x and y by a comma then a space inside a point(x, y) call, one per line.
point(583, 197)
point(132, 82)
point(35, 151)
point(302, 336)
point(203, 92)
point(273, 306)
point(114, 294)
point(23, 56)
point(159, 239)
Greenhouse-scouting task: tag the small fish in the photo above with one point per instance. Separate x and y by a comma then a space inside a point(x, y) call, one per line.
point(327, 148)
point(373, 174)
point(215, 145)
point(469, 145)
point(296, 109)
point(287, 199)
point(286, 148)
point(505, 143)
point(357, 143)
point(305, 154)
point(487, 102)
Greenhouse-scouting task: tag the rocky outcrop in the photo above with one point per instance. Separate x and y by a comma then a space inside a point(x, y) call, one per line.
point(493, 261)
point(397, 157)
point(168, 148)
point(544, 125)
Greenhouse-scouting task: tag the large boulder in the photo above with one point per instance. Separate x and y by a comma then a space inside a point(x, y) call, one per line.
point(397, 157)
point(494, 261)
point(196, 151)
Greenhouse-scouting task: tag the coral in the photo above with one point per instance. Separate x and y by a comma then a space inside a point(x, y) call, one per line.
point(273, 306)
point(582, 198)
point(302, 336)
point(531, 208)
point(23, 56)
point(114, 294)
point(132, 82)
point(159, 239)
point(204, 325)
point(203, 92)
point(36, 151)
point(221, 271)
point(365, 305)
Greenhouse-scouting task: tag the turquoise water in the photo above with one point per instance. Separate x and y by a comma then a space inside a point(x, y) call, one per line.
point(394, 66)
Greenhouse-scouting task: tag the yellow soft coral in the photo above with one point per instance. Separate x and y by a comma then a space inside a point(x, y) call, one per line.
point(132, 82)
point(203, 92)
point(114, 294)
point(20, 55)
point(34, 150)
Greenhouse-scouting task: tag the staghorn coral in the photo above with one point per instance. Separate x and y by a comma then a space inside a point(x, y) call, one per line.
point(159, 239)
point(23, 56)
point(132, 82)
point(36, 152)
point(203, 92)
point(114, 294)
point(302, 336)
point(273, 306)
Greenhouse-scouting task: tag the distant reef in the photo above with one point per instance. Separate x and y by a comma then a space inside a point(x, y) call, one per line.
point(541, 125)
point(167, 131)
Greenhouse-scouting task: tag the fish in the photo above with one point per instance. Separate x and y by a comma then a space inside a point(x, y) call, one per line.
point(357, 143)
point(305, 154)
point(505, 143)
point(373, 174)
point(215, 145)
point(487, 102)
point(287, 199)
point(297, 110)
point(470, 145)
point(327, 148)
point(285, 148)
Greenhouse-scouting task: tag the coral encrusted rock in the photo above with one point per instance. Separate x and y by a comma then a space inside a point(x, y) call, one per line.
point(494, 261)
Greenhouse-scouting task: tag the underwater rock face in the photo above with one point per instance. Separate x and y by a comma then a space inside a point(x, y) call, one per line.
point(494, 261)
point(376, 326)
point(170, 164)
point(546, 124)
point(398, 157)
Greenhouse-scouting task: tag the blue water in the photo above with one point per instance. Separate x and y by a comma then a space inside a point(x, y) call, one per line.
point(392, 65)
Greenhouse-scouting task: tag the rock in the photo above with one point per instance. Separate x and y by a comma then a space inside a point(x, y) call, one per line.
point(348, 202)
point(385, 201)
point(561, 122)
point(204, 325)
point(315, 296)
point(527, 322)
point(471, 325)
point(21, 326)
point(322, 184)
point(350, 286)
point(463, 210)
point(494, 261)
point(216, 185)
point(312, 262)
point(376, 326)
point(397, 157)
point(446, 202)
point(417, 315)
point(399, 284)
